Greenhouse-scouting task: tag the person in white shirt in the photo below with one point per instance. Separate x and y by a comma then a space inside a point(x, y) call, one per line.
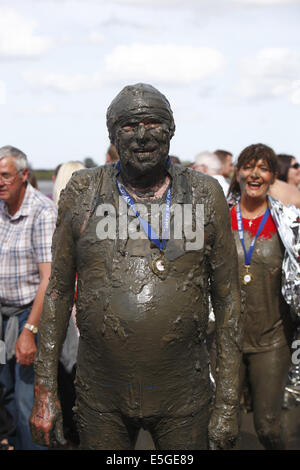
point(209, 163)
point(27, 222)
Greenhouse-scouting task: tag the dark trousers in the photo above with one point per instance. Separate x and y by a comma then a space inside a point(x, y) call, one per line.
point(266, 376)
point(7, 426)
point(18, 389)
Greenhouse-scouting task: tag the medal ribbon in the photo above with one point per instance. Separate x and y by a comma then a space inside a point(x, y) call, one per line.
point(151, 234)
point(248, 255)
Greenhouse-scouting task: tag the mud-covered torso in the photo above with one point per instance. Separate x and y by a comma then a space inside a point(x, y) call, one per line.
point(267, 320)
point(142, 337)
point(143, 334)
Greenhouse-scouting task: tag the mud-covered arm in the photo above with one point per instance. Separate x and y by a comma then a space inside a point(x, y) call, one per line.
point(226, 301)
point(54, 321)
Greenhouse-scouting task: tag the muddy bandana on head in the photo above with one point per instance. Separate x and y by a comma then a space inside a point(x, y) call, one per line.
point(139, 99)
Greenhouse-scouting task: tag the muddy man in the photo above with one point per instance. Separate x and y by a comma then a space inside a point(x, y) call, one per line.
point(143, 295)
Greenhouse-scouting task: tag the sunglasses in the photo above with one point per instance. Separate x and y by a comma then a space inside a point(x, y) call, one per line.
point(295, 166)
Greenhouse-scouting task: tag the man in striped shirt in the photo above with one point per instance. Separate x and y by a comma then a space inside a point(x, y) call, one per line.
point(27, 222)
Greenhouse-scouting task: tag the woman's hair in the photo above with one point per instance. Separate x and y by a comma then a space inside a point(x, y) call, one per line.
point(284, 163)
point(63, 176)
point(254, 152)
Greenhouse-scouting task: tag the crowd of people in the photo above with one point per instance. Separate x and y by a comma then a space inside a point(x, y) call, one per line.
point(112, 314)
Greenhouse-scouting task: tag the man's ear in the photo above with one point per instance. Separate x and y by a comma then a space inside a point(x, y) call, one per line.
point(25, 175)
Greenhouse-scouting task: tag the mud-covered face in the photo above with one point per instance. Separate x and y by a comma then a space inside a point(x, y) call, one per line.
point(143, 143)
point(255, 179)
point(140, 124)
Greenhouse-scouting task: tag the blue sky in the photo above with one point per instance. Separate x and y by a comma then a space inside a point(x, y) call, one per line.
point(230, 69)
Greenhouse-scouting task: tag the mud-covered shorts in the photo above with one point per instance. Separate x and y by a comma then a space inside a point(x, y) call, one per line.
point(114, 431)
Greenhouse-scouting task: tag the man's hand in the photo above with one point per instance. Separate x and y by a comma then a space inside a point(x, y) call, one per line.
point(223, 430)
point(25, 349)
point(46, 419)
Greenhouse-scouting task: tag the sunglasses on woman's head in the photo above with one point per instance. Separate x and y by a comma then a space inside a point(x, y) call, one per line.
point(295, 166)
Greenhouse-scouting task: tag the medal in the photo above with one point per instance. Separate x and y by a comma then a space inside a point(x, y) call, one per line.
point(247, 276)
point(159, 265)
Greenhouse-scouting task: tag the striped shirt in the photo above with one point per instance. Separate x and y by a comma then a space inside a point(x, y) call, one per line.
point(25, 241)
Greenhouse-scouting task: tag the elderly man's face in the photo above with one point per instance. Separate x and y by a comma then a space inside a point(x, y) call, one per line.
point(11, 180)
point(143, 143)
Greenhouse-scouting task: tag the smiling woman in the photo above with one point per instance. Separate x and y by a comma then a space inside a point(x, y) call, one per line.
point(268, 323)
point(254, 179)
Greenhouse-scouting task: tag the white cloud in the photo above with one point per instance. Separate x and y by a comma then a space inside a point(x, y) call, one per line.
point(277, 62)
point(95, 37)
point(291, 89)
point(274, 72)
point(18, 38)
point(295, 92)
point(163, 63)
point(41, 110)
point(168, 64)
point(62, 82)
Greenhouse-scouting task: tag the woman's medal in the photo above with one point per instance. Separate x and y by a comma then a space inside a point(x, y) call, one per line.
point(247, 276)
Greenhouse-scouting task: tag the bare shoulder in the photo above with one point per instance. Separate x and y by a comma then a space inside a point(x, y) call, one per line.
point(286, 193)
